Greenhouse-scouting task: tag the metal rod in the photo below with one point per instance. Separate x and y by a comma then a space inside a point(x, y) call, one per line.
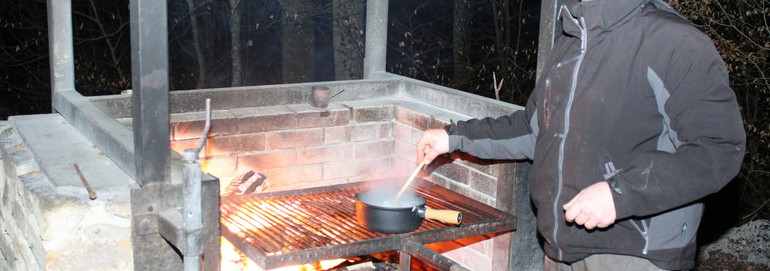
point(191, 199)
point(206, 128)
point(91, 193)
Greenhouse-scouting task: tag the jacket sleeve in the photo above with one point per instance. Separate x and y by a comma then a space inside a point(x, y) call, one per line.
point(506, 137)
point(705, 125)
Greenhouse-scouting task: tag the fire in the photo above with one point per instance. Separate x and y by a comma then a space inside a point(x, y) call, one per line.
point(232, 259)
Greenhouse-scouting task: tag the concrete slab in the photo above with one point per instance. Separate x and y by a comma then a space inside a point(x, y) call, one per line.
point(57, 146)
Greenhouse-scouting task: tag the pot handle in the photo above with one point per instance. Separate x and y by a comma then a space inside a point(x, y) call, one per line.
point(446, 216)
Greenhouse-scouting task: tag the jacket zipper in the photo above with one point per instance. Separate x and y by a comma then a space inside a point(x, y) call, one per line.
point(645, 232)
point(583, 45)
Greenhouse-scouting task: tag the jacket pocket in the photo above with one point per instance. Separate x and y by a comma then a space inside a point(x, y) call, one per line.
point(676, 228)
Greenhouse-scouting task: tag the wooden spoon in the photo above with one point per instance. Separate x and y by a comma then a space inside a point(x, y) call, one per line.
point(409, 181)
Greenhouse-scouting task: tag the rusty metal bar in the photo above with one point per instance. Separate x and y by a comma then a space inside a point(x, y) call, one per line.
point(431, 257)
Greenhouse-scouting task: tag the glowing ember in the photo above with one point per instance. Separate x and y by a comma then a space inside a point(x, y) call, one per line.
point(232, 259)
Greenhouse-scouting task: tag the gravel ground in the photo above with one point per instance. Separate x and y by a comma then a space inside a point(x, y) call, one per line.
point(742, 248)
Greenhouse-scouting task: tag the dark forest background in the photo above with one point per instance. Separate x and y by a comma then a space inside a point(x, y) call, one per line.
point(460, 44)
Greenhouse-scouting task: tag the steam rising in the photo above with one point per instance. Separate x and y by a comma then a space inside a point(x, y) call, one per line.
point(384, 197)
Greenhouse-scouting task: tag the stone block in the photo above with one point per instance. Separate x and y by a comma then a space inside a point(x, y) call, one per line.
point(190, 125)
point(334, 135)
point(373, 149)
point(267, 160)
point(406, 133)
point(458, 255)
point(295, 139)
point(226, 145)
point(18, 215)
point(317, 155)
point(412, 118)
point(454, 171)
point(436, 123)
point(323, 119)
point(405, 150)
point(367, 169)
point(483, 183)
point(373, 114)
point(293, 176)
point(265, 120)
point(89, 244)
point(488, 166)
point(8, 253)
point(370, 131)
point(476, 260)
point(3, 181)
point(462, 189)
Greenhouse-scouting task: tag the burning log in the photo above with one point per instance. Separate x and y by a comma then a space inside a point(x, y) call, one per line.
point(249, 182)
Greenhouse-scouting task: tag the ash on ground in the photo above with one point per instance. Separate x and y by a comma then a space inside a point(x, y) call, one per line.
point(742, 248)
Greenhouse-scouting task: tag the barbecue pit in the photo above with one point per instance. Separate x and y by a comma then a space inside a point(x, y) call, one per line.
point(160, 232)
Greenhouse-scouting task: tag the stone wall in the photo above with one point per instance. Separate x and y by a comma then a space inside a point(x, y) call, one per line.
point(47, 223)
point(21, 244)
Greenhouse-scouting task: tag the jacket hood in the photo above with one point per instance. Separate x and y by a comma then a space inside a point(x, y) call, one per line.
point(599, 15)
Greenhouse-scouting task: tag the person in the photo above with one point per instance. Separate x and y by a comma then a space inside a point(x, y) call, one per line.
point(631, 123)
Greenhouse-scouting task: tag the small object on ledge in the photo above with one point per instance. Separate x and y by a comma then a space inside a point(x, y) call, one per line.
point(320, 97)
point(91, 192)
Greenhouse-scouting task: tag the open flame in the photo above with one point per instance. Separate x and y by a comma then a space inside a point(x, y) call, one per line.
point(232, 259)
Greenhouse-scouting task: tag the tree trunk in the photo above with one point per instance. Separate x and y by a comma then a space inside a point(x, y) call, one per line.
point(298, 41)
point(460, 22)
point(235, 41)
point(111, 46)
point(347, 31)
point(199, 58)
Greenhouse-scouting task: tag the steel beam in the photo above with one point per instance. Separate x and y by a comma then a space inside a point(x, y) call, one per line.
point(60, 46)
point(149, 80)
point(376, 37)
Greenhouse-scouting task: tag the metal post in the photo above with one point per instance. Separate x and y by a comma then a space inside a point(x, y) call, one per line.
point(191, 199)
point(149, 64)
point(376, 37)
point(149, 80)
point(62, 58)
point(191, 209)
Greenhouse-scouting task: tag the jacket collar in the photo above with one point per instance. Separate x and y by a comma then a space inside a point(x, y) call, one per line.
point(600, 15)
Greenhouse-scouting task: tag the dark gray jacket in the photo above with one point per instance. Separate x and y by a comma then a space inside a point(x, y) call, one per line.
point(633, 92)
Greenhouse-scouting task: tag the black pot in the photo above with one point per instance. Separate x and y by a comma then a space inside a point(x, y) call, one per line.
point(376, 210)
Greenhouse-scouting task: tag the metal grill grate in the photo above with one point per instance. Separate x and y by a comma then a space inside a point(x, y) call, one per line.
point(304, 226)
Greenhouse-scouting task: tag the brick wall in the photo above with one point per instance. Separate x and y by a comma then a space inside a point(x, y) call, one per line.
point(297, 146)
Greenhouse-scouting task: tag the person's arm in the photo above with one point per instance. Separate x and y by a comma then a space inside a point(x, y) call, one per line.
point(705, 118)
point(507, 137)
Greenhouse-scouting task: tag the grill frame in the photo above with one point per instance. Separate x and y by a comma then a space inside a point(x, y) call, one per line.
point(478, 219)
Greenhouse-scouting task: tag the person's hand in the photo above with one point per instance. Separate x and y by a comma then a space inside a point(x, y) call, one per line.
point(593, 207)
point(433, 142)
